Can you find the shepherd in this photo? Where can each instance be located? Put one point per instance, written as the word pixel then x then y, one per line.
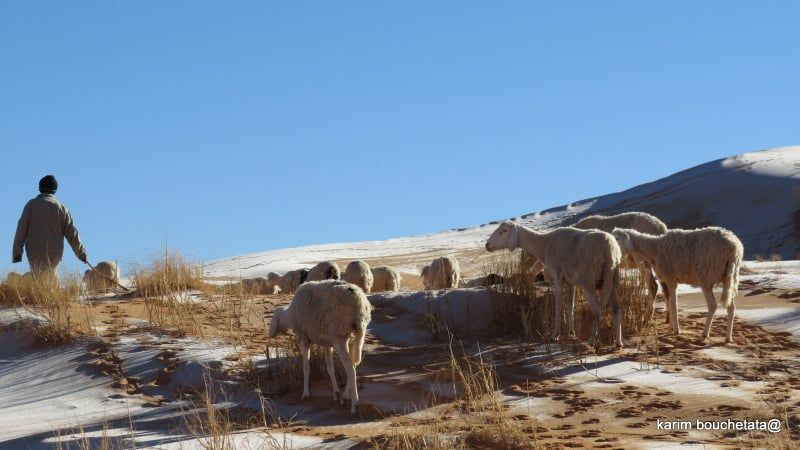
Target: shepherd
pixel 41 230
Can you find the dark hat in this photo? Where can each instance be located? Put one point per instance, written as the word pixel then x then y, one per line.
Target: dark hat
pixel 48 184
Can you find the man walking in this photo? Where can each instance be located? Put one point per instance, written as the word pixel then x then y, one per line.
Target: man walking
pixel 44 224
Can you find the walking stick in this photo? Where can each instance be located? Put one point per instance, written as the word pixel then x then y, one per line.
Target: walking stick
pixel 107 278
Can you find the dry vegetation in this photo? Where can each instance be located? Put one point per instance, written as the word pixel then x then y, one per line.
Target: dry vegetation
pixel 530 313
pixel 476 417
pixel 51 304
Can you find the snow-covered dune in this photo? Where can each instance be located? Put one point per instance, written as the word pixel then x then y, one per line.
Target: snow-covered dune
pixel 757 195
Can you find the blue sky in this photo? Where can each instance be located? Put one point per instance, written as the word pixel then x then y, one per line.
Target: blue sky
pixel 233 127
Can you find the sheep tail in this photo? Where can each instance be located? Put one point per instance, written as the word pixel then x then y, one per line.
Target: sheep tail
pixel 731 284
pixel 357 346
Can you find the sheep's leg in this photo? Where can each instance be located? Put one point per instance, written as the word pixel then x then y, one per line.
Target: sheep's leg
pixel 305 353
pixel 673 308
pixel 711 302
pixel 731 313
pixel 556 308
pixel 331 371
pixel 594 305
pixel 617 309
pixel 347 362
pixel 570 308
pixel 665 290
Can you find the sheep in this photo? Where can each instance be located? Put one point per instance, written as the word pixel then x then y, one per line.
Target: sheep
pixel 385 279
pixel 358 273
pixel 441 273
pixel 701 257
pixel 105 275
pixel 329 313
pixel 585 258
pixel 636 220
pixel 326 270
pixel 639 221
pixel 261 285
pixel 292 279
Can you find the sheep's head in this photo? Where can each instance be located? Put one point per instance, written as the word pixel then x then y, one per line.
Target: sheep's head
pixel 624 239
pixel 278 323
pixel 505 236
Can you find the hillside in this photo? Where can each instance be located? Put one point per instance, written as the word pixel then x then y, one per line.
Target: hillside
pixel 757 195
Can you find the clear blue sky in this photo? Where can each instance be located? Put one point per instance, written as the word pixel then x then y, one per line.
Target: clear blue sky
pixel 235 127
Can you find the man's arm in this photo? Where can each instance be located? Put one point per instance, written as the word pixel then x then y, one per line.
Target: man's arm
pixel 71 233
pixel 21 235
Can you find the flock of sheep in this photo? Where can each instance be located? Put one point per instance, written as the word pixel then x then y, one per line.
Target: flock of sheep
pixel 334 314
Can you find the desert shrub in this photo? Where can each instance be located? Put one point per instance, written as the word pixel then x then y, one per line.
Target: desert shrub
pixel 167 275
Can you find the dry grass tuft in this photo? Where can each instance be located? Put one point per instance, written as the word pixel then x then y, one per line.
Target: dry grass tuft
pixel 215 423
pixel 481 419
pixel 48 297
pixel 167 275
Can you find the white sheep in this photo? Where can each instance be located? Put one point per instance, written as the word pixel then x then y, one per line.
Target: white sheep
pixel 441 273
pixel 702 257
pixel 385 278
pixel 585 258
pixel 331 314
pixel 358 273
pixel 639 221
pixel 325 270
pixel 105 275
pixel 292 279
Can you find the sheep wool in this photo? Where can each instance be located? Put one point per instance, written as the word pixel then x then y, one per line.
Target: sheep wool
pixel 358 273
pixel 292 279
pixel 329 314
pixel 701 257
pixel 325 270
pixel 636 220
pixel 104 276
pixel 441 273
pixel 385 278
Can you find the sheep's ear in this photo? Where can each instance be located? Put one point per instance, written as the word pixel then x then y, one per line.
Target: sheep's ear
pixel 513 239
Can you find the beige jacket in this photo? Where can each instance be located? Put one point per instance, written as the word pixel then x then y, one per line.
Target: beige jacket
pixel 44 224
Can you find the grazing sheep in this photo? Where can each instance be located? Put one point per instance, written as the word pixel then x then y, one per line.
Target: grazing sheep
pixel 385 278
pixel 328 313
pixel 702 257
pixel 441 273
pixel 260 285
pixel 358 273
pixel 585 258
pixel 639 221
pixel 104 276
pixel 326 270
pixel 292 279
